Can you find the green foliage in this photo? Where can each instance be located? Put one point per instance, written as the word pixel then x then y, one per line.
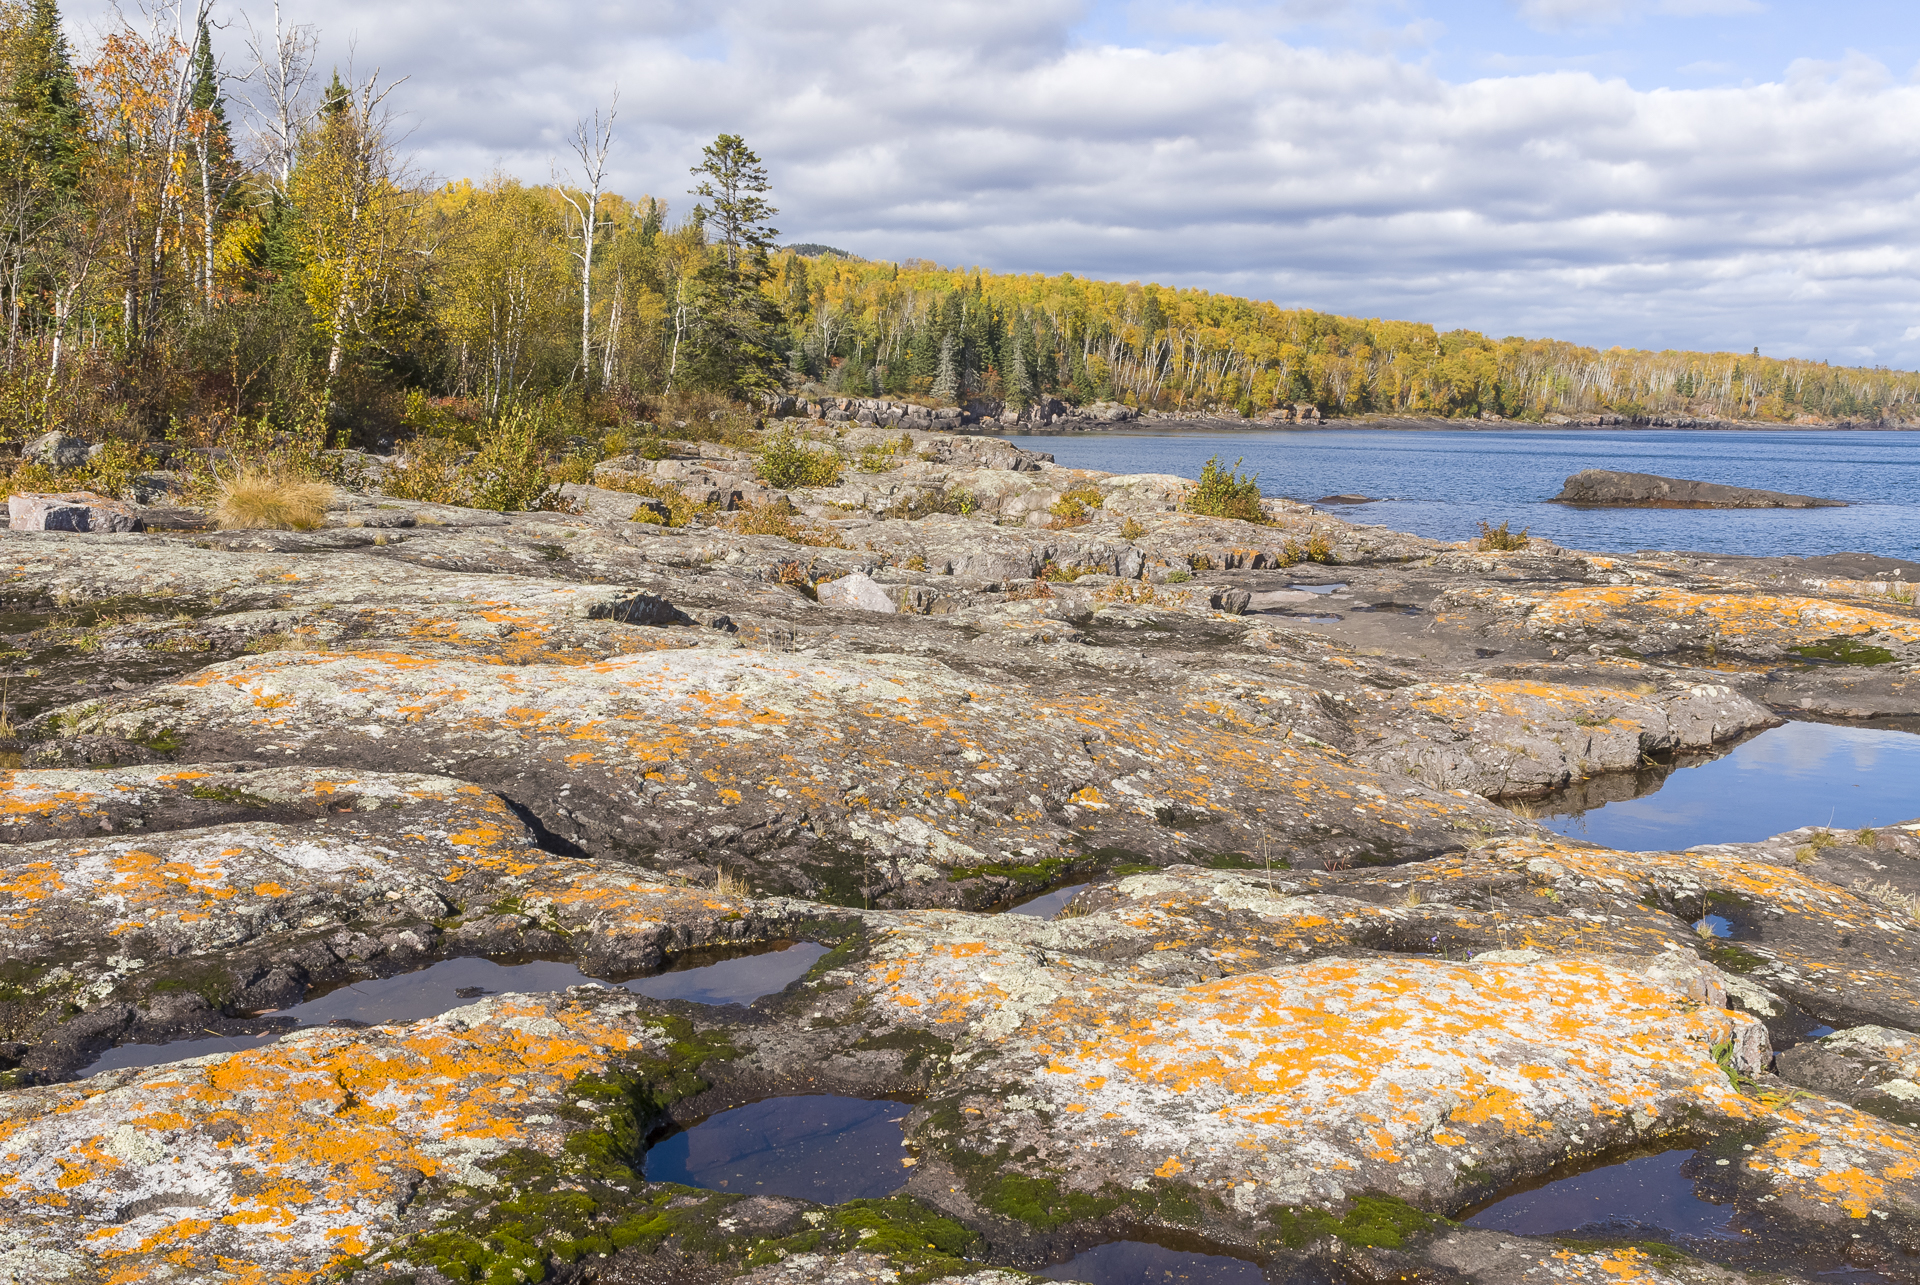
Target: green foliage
pixel 1075 507
pixel 1373 1222
pixel 1497 539
pixel 1222 492
pixel 785 463
pixel 1842 650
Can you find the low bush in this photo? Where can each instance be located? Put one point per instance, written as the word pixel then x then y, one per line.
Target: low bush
pixel 1075 507
pixel 780 519
pixel 1497 539
pixel 1222 492
pixel 1131 530
pixel 1318 548
pixel 784 462
pixel 254 500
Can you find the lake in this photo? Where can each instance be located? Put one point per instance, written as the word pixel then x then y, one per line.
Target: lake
pixel 1442 483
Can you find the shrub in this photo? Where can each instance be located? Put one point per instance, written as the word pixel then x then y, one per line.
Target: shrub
pixel 1131 530
pixel 254 499
pixel 780 519
pixel 681 507
pixel 1075 507
pixel 1318 548
pixel 785 463
pixel 431 473
pixel 1497 539
pixel 1223 493
pixel 509 474
pixel 1179 577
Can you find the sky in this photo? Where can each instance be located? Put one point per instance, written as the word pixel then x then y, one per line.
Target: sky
pixel 1706 174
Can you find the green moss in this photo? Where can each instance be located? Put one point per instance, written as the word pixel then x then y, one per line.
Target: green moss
pixel 1376 1222
pixel 162 740
pixel 918 1045
pixel 1842 650
pixel 1037 1202
pixel 20 981
pixel 227 794
pixel 546 1210
pixel 1733 957
pixel 1036 875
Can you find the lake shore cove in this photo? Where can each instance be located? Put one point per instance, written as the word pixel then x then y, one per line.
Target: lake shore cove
pixel 1319 998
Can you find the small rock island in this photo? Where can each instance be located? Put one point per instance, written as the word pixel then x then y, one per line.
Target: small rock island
pixel 1599 486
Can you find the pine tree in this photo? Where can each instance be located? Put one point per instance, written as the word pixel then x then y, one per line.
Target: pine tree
pixel 946 384
pixel 209 156
pixel 736 322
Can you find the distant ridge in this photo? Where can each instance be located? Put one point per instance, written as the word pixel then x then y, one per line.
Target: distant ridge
pixel 814 250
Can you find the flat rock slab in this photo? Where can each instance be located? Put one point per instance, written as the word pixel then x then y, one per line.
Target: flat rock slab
pixel 1601 486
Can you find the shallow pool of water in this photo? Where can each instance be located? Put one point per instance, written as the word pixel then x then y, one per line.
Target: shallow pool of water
pixel 1653 1194
pixel 820 1147
pixel 1789 776
pixel 1135 1262
pixel 1443 483
pixel 430 991
pixel 1047 904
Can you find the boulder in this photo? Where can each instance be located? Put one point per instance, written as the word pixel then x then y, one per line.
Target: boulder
pixel 1344 499
pixel 70 511
pixel 56 450
pixel 855 590
pixel 1651 491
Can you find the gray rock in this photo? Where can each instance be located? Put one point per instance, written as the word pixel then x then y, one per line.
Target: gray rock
pixel 56 450
pixel 70 511
pixel 856 590
pixel 1651 491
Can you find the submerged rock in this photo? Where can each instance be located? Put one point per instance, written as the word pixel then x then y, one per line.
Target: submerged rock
pixel 1651 491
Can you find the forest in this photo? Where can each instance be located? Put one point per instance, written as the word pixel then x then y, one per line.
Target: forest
pixel 212 245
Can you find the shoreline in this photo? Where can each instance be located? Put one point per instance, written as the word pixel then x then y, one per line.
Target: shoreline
pixel 1425 424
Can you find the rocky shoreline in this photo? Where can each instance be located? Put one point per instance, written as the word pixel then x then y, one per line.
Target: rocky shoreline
pixel 1320 996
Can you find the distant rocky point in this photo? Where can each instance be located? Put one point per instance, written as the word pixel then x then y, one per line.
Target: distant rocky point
pixel 1651 491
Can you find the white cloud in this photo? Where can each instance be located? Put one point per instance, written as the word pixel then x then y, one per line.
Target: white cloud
pixel 1562 15
pixel 979 131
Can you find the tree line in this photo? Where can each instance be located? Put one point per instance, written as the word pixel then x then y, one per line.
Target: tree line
pixel 193 245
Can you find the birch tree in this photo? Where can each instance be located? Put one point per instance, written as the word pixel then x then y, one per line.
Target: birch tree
pixel 591 140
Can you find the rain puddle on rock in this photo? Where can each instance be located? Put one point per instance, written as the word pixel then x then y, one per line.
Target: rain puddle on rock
pixel 819 1147
pixel 1787 777
pixel 1137 1262
pixel 700 978
pixel 1652 1196
pixel 1318 588
pixel 1045 905
pixel 1718 925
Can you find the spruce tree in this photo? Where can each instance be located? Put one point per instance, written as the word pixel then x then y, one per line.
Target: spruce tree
pixel 1015 379
pixel 946 384
pixel 46 125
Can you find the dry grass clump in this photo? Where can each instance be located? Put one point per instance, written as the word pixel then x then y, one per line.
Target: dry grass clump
pixel 730 885
pixel 257 499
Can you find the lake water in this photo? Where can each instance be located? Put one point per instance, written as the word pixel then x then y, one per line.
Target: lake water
pixel 1786 777
pixel 1442 483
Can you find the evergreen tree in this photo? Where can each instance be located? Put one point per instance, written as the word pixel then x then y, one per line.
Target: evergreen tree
pixel 1014 376
pixel 651 224
pixel 46 124
pixel 736 322
pixel 946 384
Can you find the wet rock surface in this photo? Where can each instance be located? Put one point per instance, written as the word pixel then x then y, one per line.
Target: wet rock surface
pixel 1312 998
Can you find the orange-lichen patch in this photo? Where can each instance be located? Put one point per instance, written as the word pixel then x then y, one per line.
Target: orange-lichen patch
pixel 1834 1156
pixel 298 1149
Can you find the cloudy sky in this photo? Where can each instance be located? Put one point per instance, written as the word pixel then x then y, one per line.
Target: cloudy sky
pixel 1713 174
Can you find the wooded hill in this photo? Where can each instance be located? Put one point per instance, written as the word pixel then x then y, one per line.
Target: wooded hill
pixel 175 263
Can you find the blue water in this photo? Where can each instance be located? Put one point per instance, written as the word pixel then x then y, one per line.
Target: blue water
pixel 1786 777
pixel 1651 1194
pixel 1135 1262
pixel 1442 483
pixel 818 1146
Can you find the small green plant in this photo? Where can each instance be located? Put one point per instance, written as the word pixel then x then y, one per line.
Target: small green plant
pixel 785 463
pixel 1497 539
pixel 1223 492
pixel 1865 836
pixel 509 474
pixel 1318 548
pixel 1075 507
pixel 965 503
pixel 1178 576
pixel 654 448
pixel 1131 530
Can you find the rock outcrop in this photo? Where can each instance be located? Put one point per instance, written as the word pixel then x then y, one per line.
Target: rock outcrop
pixel 1313 994
pixel 1606 487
